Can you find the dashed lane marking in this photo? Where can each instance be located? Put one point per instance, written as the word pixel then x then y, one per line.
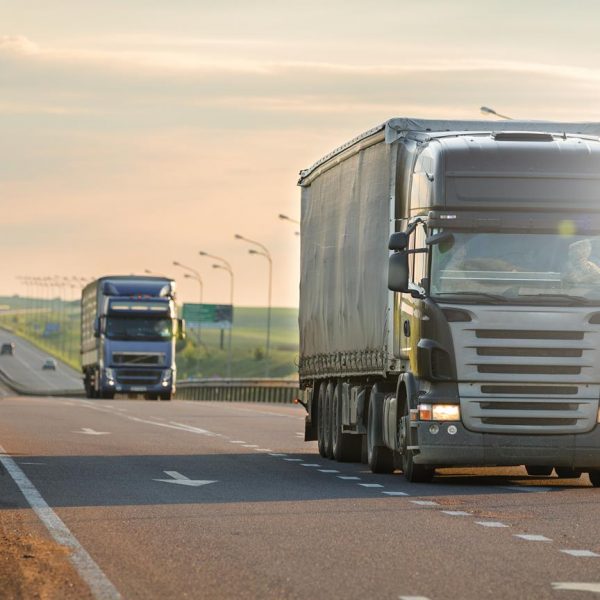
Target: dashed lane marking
pixel 456 513
pixel 491 524
pixel 250 446
pixel 532 538
pixel 371 485
pixel 580 553
pixel 395 493
pixel 577 587
pixel 310 465
pixel 348 477
pixel 328 471
pixel 293 459
pixel 237 442
pixel 525 488
pixel 425 502
pixel 264 450
pixel 100 586
pixel 277 454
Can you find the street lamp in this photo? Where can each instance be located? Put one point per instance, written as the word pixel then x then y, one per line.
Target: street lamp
pixel 226 266
pixel 486 110
pixel 286 218
pixel 194 275
pixel 263 252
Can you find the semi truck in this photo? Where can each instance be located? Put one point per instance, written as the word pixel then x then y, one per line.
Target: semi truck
pixel 129 328
pixel 450 297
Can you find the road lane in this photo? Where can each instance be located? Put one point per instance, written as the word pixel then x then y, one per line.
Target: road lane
pixel 272 526
pixel 25 367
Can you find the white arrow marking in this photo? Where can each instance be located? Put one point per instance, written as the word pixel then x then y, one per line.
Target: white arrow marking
pixel 183 480
pixel 88 431
pixel 578 587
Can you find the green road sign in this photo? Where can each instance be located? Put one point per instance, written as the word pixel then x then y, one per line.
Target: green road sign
pixel 207 315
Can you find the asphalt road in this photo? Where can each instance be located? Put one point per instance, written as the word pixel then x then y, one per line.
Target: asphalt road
pixel 25 367
pixel 207 500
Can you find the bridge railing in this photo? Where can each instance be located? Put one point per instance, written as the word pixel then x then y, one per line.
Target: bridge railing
pixel 239 390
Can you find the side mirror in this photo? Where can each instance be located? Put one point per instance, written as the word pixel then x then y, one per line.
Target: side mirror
pixel 181 329
pixel 398 272
pixel 97 327
pixel 398 241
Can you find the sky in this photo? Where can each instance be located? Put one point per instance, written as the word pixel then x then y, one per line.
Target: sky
pixel 134 134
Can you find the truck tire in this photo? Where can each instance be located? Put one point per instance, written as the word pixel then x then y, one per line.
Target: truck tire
pixel 537 471
pixel 328 423
pixel 346 446
pixel 412 472
pixel 106 395
pixel 380 458
pixel 567 473
pixel 321 420
pixel 595 477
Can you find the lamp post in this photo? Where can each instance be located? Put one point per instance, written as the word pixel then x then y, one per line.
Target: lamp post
pixel 263 252
pixel 286 218
pixel 486 110
pixel 226 266
pixel 193 274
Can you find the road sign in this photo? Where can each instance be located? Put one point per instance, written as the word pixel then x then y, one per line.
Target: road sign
pixel 219 316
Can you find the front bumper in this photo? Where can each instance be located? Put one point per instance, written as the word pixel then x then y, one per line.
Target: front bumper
pixel 467 448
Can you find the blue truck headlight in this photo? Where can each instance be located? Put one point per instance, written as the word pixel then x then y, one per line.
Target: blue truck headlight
pixel 439 412
pixel 166 377
pixel 110 376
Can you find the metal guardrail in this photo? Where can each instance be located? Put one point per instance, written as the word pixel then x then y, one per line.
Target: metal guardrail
pixel 239 390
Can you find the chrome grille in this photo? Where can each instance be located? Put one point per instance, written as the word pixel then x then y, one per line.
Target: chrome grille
pixel 138 358
pixel 138 376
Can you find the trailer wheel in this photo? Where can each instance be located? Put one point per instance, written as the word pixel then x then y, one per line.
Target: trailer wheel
pixel 380 459
pixel 595 477
pixel 346 446
pixel 539 471
pixel 321 420
pixel 328 423
pixel 567 473
pixel 412 472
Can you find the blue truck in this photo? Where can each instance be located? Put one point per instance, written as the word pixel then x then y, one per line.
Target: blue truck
pixel 129 328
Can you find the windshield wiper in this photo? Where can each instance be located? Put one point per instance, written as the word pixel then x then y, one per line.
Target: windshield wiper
pixel 579 300
pixel 475 295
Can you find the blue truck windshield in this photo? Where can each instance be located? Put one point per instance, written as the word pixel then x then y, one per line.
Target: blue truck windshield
pixel 530 268
pixel 138 328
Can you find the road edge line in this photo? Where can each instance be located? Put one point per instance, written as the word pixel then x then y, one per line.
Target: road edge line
pixel 99 584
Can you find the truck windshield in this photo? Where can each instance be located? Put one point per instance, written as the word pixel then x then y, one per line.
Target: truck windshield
pixel 138 328
pixel 532 268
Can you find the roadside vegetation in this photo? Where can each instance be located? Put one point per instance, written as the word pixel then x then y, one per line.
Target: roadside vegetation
pixel 53 326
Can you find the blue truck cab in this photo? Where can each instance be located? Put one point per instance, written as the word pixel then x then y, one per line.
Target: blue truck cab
pixel 129 328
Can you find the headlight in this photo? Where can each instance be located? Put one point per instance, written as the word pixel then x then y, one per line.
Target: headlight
pixel 439 412
pixel 109 373
pixel 166 376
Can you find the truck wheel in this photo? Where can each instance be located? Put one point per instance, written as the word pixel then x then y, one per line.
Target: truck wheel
pixel 595 477
pixel 537 471
pixel 412 472
pixel 321 420
pixel 380 459
pixel 106 395
pixel 328 423
pixel 567 473
pixel 346 446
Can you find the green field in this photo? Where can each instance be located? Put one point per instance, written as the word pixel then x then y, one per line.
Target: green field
pixel 199 355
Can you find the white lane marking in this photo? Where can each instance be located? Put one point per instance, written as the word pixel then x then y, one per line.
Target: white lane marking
pixel 237 442
pixel 425 502
pixel 456 513
pixel 294 459
pixel 250 446
pixel 328 471
pixel 180 479
pixel 577 587
pixel 491 524
pixel 31 463
pixel 395 493
pixel 524 488
pixel 173 425
pixel 264 450
pixel 371 485
pixel 191 428
pixel 580 553
pixel 532 537
pixel 88 431
pixel 310 465
pixel 348 478
pixel 90 572
pixel 277 454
